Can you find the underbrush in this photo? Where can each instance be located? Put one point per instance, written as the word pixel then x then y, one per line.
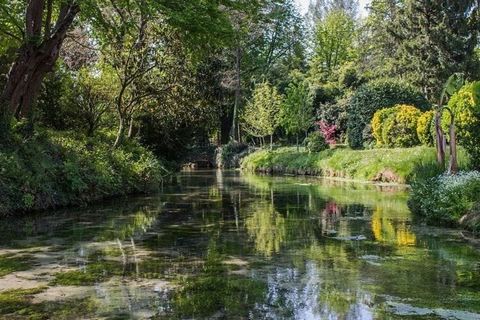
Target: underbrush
pixel 448 200
pixel 50 169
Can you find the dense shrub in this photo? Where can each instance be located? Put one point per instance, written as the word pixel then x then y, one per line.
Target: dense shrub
pixel 374 96
pixel 400 129
pixel 50 170
pixel 396 126
pixel 467 121
pixel 426 128
pixel 335 113
pixel 378 122
pixel 445 199
pixel 315 142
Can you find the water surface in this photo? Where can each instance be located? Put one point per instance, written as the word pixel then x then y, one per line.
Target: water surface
pixel 224 245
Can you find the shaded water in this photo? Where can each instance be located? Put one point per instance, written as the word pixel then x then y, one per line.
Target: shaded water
pixel 223 245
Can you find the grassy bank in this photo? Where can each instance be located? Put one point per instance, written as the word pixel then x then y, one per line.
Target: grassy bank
pixel 50 170
pixel 381 165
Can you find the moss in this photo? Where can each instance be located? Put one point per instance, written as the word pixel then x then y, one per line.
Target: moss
pixel 93 273
pixel 18 301
pixel 100 271
pixel 17 304
pixel 11 263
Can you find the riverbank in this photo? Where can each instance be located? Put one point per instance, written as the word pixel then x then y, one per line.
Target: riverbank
pixel 434 198
pixel 377 165
pixel 49 170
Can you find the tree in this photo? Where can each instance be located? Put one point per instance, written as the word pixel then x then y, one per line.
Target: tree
pixel 319 9
pixel 268 45
pixel 261 116
pixel 297 109
pixel 334 41
pixel 41 37
pixel 94 91
pixel 424 41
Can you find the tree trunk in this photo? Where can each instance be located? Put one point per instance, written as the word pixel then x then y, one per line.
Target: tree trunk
pixel 120 133
pixel 34 60
pixel 298 148
pixel 453 164
pixel 440 140
pixel 271 142
pixel 130 129
pixel 236 106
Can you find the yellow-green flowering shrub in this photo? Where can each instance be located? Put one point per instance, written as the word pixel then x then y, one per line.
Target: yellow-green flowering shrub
pixel 425 128
pixel 396 126
pixel 467 120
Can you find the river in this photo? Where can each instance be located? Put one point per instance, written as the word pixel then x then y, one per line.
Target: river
pixel 226 245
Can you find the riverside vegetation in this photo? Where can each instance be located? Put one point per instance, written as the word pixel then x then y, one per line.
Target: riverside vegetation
pixel 98 98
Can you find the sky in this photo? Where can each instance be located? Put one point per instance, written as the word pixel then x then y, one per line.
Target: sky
pixel 303 6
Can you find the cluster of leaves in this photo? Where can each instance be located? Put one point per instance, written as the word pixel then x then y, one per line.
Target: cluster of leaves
pixel 262 114
pixel 396 126
pixel 328 131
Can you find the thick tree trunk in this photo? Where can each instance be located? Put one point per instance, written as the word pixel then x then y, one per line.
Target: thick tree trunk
pixel 34 59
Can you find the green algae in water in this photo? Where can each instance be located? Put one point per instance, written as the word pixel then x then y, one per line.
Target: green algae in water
pixel 214 291
pixel 11 263
pixel 17 304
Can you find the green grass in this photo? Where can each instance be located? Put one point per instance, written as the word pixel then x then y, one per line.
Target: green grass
pixel 386 165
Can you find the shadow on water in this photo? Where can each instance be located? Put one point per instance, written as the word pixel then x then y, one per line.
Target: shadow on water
pixel 219 244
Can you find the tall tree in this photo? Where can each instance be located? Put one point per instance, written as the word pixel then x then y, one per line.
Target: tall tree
pixel 334 42
pixel 46 23
pixel 426 41
pixel 261 116
pixel 297 108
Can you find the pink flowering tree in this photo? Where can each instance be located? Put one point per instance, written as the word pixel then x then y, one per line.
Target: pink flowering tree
pixel 328 131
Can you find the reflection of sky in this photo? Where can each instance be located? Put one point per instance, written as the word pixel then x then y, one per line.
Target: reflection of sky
pixel 303 6
pixel 297 295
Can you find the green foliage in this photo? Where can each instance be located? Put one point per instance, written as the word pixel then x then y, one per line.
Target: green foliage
pixel 334 41
pixel 467 120
pixel 396 126
pixel 296 111
pixel 262 114
pixel 315 142
pixel 426 127
pixel 445 199
pixel 51 170
pixel 372 97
